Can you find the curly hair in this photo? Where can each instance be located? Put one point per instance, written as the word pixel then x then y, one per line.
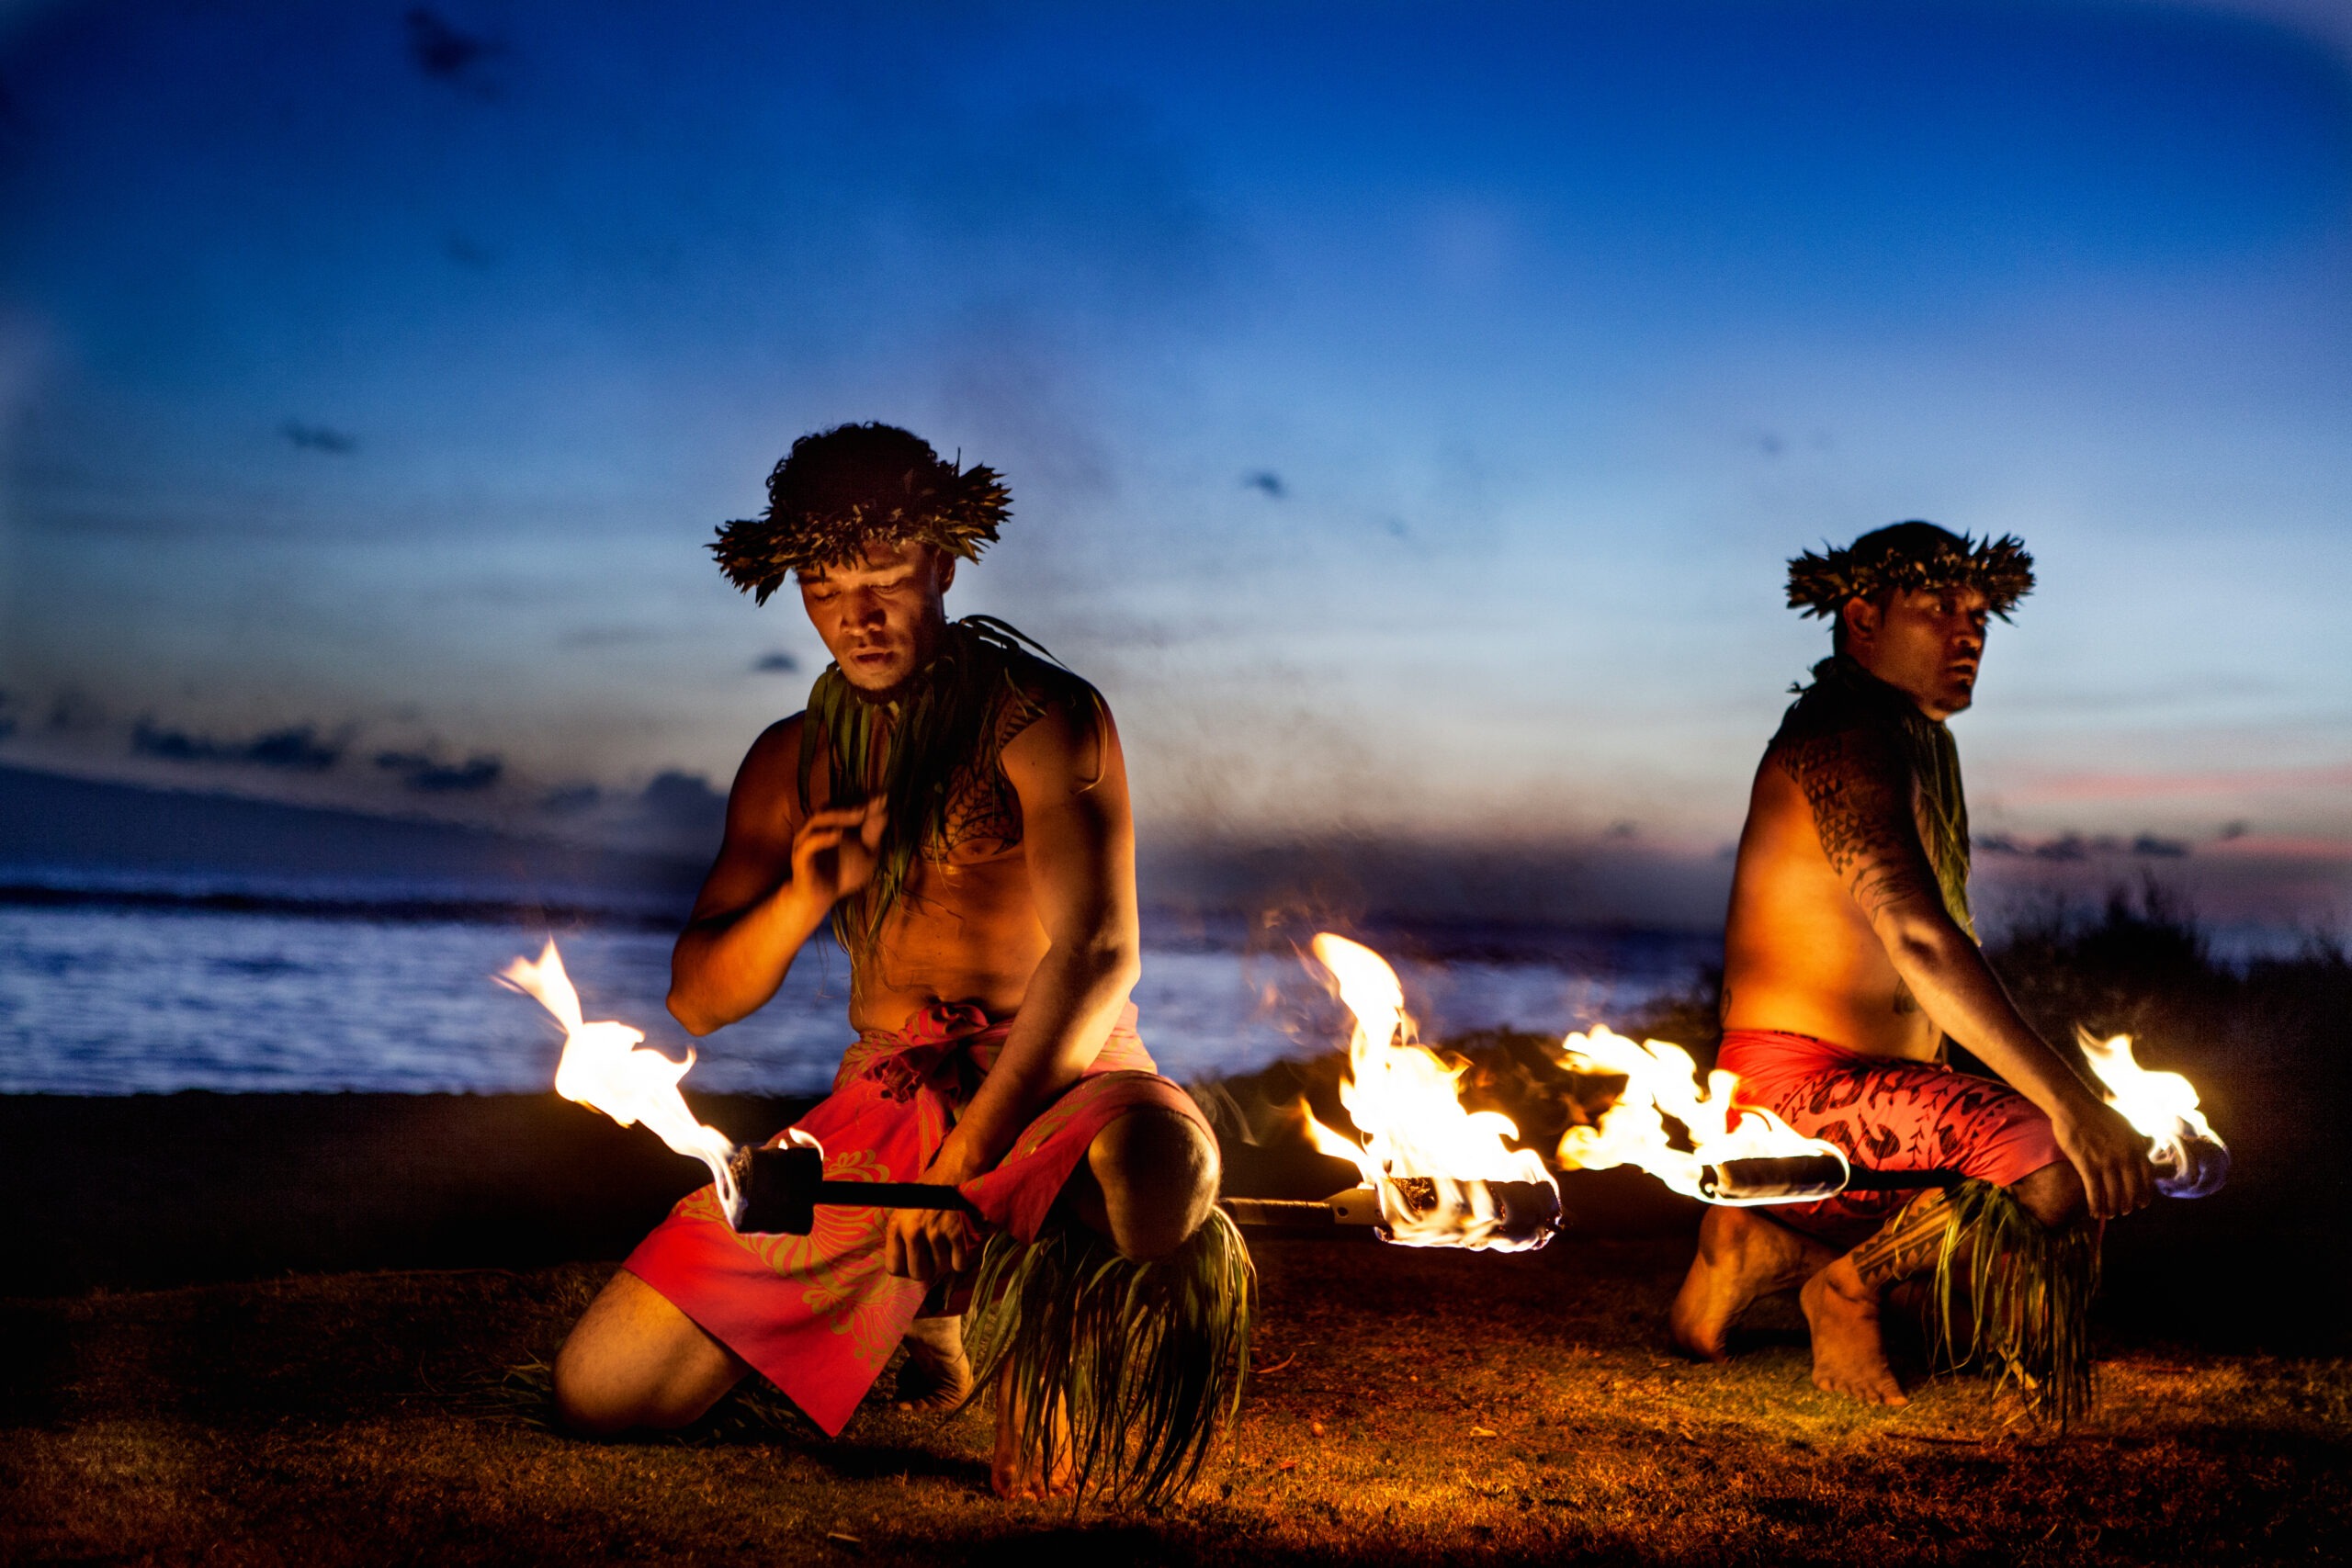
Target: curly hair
pixel 1906 556
pixel 839 489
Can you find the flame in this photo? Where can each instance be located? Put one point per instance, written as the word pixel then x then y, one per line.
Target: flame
pixel 1661 1081
pixel 603 1069
pixel 1407 1100
pixel 2163 1107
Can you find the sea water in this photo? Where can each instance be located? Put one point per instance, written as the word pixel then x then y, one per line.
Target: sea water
pixel 104 1000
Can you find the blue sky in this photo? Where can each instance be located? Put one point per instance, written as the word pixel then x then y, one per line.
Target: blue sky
pixel 1408 407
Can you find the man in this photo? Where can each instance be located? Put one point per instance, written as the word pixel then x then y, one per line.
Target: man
pixel 957 807
pixel 1849 956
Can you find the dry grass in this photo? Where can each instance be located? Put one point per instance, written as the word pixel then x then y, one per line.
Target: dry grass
pixel 1411 1407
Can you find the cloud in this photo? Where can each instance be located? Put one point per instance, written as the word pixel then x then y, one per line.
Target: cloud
pixel 297 749
pixel 570 800
pixel 2075 847
pixel 429 776
pixel 2145 786
pixel 776 663
pixel 466 251
pixel 684 797
pixel 444 53
pixel 319 438
pixel 478 771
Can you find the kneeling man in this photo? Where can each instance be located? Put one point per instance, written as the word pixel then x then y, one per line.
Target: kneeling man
pixel 957 807
pixel 1849 956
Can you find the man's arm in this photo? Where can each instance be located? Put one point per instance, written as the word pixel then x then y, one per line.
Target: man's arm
pixel 1079 835
pixel 1860 795
pixel 775 879
pixel 1079 839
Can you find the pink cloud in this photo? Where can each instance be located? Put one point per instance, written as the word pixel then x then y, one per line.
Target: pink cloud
pixel 2148 786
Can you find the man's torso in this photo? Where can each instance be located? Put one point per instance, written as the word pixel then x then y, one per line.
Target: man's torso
pixel 1799 955
pixel 966 926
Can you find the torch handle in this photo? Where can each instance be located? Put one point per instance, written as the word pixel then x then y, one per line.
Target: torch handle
pixel 890 1195
pixel 780 1186
pixel 1865 1179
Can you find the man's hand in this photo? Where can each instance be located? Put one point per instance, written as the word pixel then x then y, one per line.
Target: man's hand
pixel 2110 1156
pixel 924 1244
pixel 835 851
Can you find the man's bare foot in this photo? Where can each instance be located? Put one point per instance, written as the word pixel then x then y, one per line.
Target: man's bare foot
pixel 1848 1355
pixel 936 1375
pixel 1742 1257
pixel 1008 1472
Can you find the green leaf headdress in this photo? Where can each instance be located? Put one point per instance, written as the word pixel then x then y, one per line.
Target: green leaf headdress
pixel 1911 556
pixel 839 489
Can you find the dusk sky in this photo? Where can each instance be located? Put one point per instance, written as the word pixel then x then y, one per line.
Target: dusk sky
pixel 1408 409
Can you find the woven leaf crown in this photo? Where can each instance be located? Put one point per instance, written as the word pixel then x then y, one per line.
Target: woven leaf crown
pixel 839 489
pixel 1907 556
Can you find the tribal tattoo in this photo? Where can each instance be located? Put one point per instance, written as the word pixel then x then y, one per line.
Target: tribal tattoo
pixel 1860 795
pixel 1908 1244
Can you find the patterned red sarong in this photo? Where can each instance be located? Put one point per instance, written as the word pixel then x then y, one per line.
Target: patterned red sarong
pixel 1888 1114
pixel 815 1313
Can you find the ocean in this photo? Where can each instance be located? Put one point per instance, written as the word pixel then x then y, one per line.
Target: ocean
pixel 105 998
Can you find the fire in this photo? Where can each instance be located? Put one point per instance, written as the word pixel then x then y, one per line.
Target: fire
pixel 2161 1106
pixel 605 1070
pixel 1662 1081
pixel 1418 1143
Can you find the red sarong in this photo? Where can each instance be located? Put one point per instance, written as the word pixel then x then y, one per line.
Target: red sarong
pixel 816 1314
pixel 1888 1114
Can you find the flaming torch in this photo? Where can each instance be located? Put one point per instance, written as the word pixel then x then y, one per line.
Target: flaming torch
pixel 2162 1106
pixel 1743 1155
pixel 607 1068
pixel 1739 1156
pixel 1443 1175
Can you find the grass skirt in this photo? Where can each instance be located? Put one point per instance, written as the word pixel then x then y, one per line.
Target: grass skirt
pixel 2012 1298
pixel 1148 1359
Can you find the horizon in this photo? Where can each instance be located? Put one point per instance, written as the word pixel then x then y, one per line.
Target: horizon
pixel 1408 418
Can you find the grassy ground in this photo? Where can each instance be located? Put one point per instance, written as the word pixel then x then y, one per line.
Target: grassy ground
pixel 1410 1407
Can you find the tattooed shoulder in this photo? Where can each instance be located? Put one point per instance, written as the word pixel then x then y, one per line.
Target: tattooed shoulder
pixel 1860 795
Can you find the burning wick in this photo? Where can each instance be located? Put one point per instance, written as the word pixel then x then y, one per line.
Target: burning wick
pixel 605 1069
pixel 2163 1107
pixel 1739 1156
pixel 1443 1174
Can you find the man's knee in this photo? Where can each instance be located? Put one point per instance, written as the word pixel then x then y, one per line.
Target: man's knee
pixel 634 1359
pixel 1158 1172
pixel 2053 1195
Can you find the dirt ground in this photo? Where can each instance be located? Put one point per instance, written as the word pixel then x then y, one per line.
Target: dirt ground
pixel 1410 1406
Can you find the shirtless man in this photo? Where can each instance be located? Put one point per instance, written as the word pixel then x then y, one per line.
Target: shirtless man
pixel 957 807
pixel 1849 956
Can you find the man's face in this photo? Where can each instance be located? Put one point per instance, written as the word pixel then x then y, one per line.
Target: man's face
pixel 1927 642
pixel 881 618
